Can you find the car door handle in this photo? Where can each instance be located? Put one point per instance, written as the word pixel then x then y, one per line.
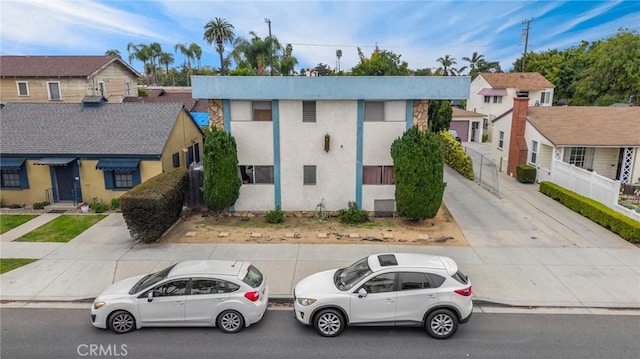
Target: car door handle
pixel 389 300
pixel 180 303
pixel 220 300
pixel 431 296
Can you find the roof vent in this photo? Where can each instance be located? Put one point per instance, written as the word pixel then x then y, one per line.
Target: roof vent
pixel 387 260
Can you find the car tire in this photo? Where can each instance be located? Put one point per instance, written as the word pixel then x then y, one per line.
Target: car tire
pixel 441 324
pixel 230 321
pixel 121 322
pixel 329 323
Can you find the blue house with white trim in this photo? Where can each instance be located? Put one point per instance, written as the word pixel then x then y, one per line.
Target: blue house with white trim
pixel 303 140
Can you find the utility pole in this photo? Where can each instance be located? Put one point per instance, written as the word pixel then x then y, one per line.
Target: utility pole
pixel 525 34
pixel 268 21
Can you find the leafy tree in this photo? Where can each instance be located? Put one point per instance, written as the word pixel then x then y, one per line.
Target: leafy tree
pixel 323 70
pixel 219 31
pixel 255 53
pixel 287 61
pixel 418 163
pixel 221 181
pixel 381 63
pixel 440 114
pixel 424 72
pixel 166 59
pixel 113 52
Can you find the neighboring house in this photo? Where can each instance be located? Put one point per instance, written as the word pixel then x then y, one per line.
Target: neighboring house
pixel 197 108
pixel 467 124
pixel 566 143
pixel 491 93
pixel 65 78
pixel 92 150
pixel 302 140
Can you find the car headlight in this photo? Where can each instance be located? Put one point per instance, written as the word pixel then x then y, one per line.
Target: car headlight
pixel 98 305
pixel 306 301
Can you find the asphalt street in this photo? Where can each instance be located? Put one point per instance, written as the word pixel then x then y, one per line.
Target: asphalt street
pixel 67 333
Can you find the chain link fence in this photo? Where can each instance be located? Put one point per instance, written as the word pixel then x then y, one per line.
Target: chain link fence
pixel 485 172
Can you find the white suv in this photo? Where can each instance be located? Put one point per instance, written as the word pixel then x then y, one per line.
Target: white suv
pixel 387 289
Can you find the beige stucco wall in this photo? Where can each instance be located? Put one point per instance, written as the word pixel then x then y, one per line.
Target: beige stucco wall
pixel 73 89
pixel 184 134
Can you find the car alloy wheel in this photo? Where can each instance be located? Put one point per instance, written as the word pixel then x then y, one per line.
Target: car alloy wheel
pixel 230 321
pixel 441 324
pixel 329 323
pixel 122 322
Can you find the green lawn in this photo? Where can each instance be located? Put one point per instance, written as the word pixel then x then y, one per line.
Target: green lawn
pixel 11 221
pixel 7 264
pixel 62 229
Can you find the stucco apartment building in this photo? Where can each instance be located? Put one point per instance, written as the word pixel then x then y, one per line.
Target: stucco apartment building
pixel 303 140
pixel 68 79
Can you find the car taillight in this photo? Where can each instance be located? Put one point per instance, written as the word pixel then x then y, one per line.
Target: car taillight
pixel 252 296
pixel 464 292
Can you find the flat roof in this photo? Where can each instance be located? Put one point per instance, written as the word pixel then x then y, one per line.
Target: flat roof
pixel 331 87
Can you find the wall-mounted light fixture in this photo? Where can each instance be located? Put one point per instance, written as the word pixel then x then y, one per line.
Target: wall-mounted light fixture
pixel 327 142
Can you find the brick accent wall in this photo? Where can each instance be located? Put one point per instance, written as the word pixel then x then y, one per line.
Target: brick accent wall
pixel 518 145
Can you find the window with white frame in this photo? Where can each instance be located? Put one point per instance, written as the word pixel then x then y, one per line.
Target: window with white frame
pixel 309 175
pixel 500 139
pixel 545 97
pixel 23 88
pixel 580 157
pixel 308 111
pixel 261 110
pixel 378 175
pixel 256 174
pixel 487 99
pixel 127 88
pixel 54 90
pixel 534 151
pixel 374 111
pixel 497 99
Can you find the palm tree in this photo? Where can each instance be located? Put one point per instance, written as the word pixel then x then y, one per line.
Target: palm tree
pixel 447 63
pixel 196 52
pixel 473 60
pixel 218 30
pixel 142 53
pixel 287 62
pixel 255 53
pixel 188 56
pixel 114 53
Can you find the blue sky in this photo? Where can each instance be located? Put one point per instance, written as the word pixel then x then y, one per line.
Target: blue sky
pixel 420 31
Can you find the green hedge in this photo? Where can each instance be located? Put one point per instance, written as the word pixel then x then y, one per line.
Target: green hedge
pixel 618 223
pixel 455 157
pixel 525 174
pixel 153 206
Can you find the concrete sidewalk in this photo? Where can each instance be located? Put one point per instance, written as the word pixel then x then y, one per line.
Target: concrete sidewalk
pixel 525 250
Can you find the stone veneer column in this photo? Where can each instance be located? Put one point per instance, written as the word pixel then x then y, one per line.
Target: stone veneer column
pixel 216 116
pixel 421 114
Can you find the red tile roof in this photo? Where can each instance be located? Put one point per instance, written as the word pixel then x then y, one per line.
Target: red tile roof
pixel 58 66
pixel 519 80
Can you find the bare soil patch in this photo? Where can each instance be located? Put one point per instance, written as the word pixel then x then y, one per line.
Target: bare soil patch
pixel 441 230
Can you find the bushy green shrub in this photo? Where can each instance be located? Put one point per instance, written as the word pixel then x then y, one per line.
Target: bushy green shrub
pixel 618 223
pixel 525 174
pixel 98 207
pixel 154 205
pixel 115 203
pixel 455 157
pixel 275 216
pixel 485 137
pixel 352 214
pixel 40 205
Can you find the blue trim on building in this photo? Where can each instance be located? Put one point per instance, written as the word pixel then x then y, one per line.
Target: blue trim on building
pixel 409 114
pixel 275 116
pixel 330 87
pixel 226 113
pixel 359 150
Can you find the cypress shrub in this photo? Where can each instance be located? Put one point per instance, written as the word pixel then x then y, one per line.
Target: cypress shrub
pixel 221 186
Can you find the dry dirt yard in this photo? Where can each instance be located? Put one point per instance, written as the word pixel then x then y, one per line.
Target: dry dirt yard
pixel 302 228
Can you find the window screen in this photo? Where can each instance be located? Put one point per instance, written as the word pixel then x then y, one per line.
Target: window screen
pixel 23 89
pixel 308 111
pixel 309 175
pixel 374 110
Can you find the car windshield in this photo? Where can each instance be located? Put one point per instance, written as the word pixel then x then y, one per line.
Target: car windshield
pixel 151 279
pixel 347 277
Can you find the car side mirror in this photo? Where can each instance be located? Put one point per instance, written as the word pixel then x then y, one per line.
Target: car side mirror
pixel 150 296
pixel 362 293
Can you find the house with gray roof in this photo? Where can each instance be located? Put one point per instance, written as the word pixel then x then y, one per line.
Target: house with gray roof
pixel 64 152
pixel 65 78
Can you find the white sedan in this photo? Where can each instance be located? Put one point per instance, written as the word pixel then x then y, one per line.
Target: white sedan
pixel 226 294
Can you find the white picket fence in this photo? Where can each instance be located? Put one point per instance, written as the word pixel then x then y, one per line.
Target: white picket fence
pixel 586 183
